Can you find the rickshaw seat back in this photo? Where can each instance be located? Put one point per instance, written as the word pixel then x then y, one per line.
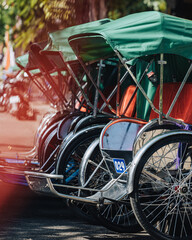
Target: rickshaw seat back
pixel 130 112
pixel 182 108
pixel 116 143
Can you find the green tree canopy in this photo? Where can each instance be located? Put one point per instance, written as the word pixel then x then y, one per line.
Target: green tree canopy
pixel 31 20
pixel 7 17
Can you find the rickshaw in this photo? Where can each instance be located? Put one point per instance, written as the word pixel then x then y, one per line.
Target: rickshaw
pixel 60 54
pixel 87 129
pixel 50 78
pixel 158 168
pixel 69 153
pixel 142 37
pixel 14 164
pixel 47 62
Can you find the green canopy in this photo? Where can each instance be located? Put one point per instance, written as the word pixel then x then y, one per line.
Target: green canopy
pixel 58 41
pixel 136 35
pixel 22 61
pixel 15 68
pixel 27 60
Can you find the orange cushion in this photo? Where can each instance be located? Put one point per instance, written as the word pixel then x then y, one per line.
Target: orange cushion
pixel 124 101
pixel 182 107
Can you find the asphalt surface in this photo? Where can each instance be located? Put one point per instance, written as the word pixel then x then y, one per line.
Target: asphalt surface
pixel 28 216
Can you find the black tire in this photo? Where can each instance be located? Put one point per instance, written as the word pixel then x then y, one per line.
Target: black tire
pixel 49 150
pixel 69 161
pixel 161 199
pixel 50 141
pixel 117 216
pixel 74 152
pixel 47 128
pixel 45 136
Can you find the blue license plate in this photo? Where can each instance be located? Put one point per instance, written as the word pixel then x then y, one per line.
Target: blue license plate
pixel 119 164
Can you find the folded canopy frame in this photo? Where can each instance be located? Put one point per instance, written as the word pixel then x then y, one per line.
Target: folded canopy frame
pixel 47 68
pixel 57 60
pixel 34 74
pixel 40 71
pixel 58 44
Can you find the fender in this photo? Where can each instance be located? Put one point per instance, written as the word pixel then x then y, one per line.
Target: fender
pixel 64 126
pixel 44 136
pixel 42 125
pixel 90 120
pixel 144 149
pixel 68 140
pixel 154 124
pixel 50 120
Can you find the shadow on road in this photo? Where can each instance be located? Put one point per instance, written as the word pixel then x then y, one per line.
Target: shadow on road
pixel 25 215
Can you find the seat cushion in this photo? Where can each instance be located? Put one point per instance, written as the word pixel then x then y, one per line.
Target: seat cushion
pixel 130 111
pixel 182 107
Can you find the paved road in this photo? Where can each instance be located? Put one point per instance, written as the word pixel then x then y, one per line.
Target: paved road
pixel 27 216
pixel 15 134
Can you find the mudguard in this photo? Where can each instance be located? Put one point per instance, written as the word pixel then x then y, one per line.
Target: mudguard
pixel 145 148
pixel 90 120
pixel 73 136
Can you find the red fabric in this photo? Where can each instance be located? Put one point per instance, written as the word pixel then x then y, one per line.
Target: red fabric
pixel 123 104
pixel 106 93
pixel 182 107
pixel 125 99
pixel 77 105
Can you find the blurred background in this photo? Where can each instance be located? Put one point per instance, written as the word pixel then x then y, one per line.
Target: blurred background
pixel 23 22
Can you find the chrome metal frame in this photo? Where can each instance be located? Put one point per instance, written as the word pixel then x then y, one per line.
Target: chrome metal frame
pixel 161 114
pixel 109 191
pixel 144 149
pixel 149 125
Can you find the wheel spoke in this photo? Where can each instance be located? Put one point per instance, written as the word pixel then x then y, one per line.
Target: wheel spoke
pixel 164 185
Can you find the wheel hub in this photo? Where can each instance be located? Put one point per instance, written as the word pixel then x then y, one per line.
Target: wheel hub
pixel 106 177
pixel 184 189
pixel 181 189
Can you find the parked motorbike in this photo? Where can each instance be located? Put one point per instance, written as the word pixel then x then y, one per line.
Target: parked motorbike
pixel 15 100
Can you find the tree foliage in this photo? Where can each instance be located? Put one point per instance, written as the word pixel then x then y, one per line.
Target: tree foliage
pixel 7 16
pixel 30 21
pixel 34 18
pixel 117 9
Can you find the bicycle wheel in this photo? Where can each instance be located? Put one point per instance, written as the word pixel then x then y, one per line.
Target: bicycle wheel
pixel 162 199
pixel 117 216
pixel 49 150
pixel 69 161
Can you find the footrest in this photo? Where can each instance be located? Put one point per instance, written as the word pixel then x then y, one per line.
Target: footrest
pixel 48 184
pixel 38 182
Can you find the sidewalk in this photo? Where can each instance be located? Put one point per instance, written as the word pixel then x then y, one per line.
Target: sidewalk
pixel 18 135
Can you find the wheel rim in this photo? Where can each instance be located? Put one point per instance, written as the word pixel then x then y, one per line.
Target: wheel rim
pixel 117 216
pixel 71 170
pixel 164 190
